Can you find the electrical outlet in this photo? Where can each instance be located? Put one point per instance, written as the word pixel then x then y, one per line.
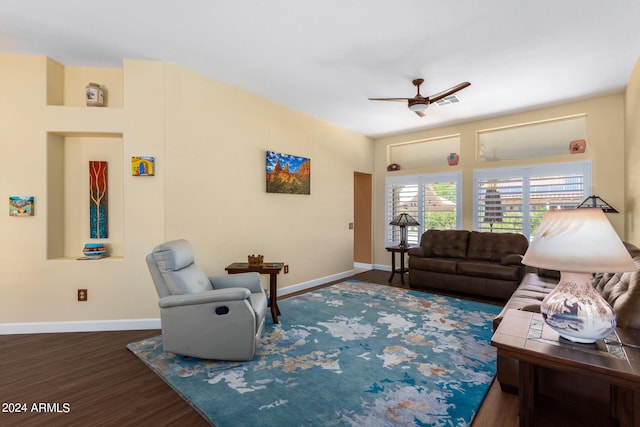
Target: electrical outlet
pixel 286 269
pixel 82 295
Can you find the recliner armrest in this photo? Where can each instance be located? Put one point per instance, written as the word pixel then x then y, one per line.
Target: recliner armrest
pixel 229 294
pixel 249 281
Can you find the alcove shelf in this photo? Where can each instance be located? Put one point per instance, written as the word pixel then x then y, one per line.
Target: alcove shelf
pixel 66 85
pixel 426 153
pixel 68 156
pixel 76 135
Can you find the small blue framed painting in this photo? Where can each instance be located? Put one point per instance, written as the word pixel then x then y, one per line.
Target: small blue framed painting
pixel 288 174
pixel 21 206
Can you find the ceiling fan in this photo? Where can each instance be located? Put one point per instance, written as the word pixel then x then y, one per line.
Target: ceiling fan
pixel 419 103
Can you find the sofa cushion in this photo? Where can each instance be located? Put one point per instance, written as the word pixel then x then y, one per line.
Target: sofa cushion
pixel 445 243
pixel 622 292
pixel 440 265
pixel 528 296
pixel 512 259
pixel 489 270
pixel 495 246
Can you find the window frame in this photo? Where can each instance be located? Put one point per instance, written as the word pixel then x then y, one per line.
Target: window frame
pixel 526 172
pixel 420 181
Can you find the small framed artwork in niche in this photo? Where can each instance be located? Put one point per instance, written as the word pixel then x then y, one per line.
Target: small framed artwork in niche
pixel 98 200
pixel 288 174
pixel 142 166
pixel 21 206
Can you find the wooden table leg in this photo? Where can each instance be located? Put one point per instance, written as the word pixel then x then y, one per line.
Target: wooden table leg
pixel 527 394
pixel 393 266
pixel 273 296
pixel 621 407
pixel 402 267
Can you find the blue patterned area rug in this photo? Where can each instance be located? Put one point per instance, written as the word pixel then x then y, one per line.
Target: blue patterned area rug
pixel 352 354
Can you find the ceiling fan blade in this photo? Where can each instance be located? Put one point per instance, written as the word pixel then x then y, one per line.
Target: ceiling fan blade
pixel 390 99
pixel 420 113
pixel 450 91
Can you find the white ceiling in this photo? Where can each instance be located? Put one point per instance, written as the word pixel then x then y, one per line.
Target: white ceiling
pixel 326 57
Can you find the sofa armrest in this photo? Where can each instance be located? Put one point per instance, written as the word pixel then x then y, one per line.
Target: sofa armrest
pixel 222 295
pixel 417 251
pixel 511 259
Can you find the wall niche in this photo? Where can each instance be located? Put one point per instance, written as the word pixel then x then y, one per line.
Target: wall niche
pixel 68 156
pixel 424 153
pixel 530 140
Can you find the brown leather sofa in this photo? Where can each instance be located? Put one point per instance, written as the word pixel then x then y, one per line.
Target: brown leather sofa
pixel 471 262
pixel 621 290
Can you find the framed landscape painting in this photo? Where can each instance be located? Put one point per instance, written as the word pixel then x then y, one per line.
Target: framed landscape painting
pixel 288 174
pixel 21 206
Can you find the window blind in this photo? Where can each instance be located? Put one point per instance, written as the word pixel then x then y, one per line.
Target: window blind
pixel 515 199
pixel 433 200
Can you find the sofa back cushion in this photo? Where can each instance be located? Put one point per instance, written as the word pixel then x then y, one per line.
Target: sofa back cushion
pixel 495 246
pixel 622 292
pixel 445 243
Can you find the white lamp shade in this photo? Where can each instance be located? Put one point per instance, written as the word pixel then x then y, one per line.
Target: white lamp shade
pixel 578 240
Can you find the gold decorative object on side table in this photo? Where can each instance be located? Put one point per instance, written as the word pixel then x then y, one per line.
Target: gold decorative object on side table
pixel 255 260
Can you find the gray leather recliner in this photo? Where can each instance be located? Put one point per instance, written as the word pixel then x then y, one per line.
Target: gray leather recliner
pixel 218 317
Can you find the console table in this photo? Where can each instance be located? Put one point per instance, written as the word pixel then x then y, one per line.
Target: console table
pixel 525 336
pixel 270 268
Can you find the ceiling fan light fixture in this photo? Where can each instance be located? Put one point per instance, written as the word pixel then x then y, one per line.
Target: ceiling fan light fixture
pixel 418 106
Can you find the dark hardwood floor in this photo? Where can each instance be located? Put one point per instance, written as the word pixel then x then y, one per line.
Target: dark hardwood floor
pixel 91 379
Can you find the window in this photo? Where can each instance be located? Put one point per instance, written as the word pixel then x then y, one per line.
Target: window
pixel 530 140
pixel 433 200
pixel 515 199
pixel 423 153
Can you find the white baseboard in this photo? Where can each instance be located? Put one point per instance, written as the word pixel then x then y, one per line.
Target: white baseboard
pixel 79 326
pixel 144 324
pixel 313 283
pixel 362 266
pixel 382 267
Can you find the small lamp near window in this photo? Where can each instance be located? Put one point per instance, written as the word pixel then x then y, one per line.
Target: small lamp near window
pixel 597 202
pixel 403 221
pixel 492 206
pixel 578 242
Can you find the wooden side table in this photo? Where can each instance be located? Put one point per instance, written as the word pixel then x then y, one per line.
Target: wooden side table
pixel 270 268
pixel 525 336
pixel 401 250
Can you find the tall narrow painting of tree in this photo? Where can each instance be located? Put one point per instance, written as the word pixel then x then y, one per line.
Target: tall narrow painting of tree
pixel 98 199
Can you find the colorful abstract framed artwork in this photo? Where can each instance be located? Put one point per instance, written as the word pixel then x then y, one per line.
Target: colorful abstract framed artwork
pixel 98 200
pixel 288 174
pixel 142 166
pixel 21 206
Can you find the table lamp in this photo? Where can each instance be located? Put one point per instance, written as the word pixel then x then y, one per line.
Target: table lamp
pixel 597 202
pixel 578 242
pixel 403 220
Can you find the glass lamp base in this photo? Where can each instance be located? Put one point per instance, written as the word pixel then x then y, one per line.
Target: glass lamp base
pixel 577 311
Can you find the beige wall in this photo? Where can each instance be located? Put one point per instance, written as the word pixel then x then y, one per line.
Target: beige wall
pixel 632 156
pixel 605 139
pixel 209 141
